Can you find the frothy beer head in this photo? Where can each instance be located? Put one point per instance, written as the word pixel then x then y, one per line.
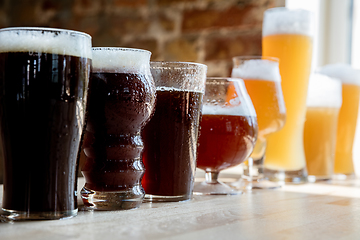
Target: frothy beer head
pixel 257 69
pixel 324 92
pixel 344 72
pixel 238 102
pixel 121 60
pixel 45 40
pixel 285 21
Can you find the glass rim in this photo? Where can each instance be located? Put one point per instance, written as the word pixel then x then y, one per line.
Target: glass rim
pixel 117 49
pixel 38 29
pixel 257 57
pixel 185 65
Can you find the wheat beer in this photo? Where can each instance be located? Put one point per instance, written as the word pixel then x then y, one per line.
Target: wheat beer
pixel 323 104
pixel 287 35
pixel 348 114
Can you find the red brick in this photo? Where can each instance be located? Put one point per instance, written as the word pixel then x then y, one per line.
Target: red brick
pixel 181 49
pixel 147 44
pixel 166 23
pixel 129 25
pixel 130 3
pixel 228 47
pixel 242 17
pixel 171 2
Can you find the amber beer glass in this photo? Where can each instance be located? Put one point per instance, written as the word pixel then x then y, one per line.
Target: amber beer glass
pixel 263 83
pixel 323 104
pixel 287 35
pixel 121 100
pixel 44 75
pixel 228 132
pixel 170 138
pixel 346 128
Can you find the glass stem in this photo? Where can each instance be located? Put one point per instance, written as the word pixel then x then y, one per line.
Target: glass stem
pixel 211 177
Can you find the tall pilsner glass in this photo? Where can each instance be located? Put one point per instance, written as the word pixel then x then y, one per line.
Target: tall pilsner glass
pixel 287 35
pixel 44 75
pixel 350 78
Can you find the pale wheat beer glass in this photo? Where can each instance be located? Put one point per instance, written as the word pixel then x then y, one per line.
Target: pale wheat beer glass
pixel 350 78
pixel 323 105
pixel 263 83
pixel 287 35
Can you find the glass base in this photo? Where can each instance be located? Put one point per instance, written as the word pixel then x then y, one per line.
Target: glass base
pixel 294 177
pixel 122 200
pixel 218 188
pixel 13 215
pixel 160 198
pixel 339 176
pixel 313 178
pixel 248 185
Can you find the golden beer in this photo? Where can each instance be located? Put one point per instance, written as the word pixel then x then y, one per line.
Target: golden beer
pixel 323 104
pixel 263 84
pixel 346 130
pixel 319 140
pixel 348 114
pixel 293 46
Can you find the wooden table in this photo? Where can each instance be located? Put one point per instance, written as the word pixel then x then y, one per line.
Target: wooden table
pixel 309 211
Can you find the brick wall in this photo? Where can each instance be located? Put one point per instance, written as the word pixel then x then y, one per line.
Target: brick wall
pixel 206 31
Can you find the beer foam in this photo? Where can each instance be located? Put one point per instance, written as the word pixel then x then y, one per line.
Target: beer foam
pixel 285 21
pixel 324 91
pixel 45 40
pixel 227 110
pixel 124 60
pixel 344 72
pixel 258 69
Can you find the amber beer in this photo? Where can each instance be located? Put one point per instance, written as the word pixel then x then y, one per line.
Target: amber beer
pixel 263 84
pixel 44 76
pixel 287 35
pixel 226 140
pixel 350 78
pixel 323 104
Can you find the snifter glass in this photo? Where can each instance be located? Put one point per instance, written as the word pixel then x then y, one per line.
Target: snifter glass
pixel 263 83
pixel 44 75
pixel 121 101
pixel 228 132
pixel 170 138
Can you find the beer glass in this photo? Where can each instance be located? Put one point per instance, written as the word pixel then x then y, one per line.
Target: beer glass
pixel 121 100
pixel 263 84
pixel 170 138
pixel 228 132
pixel 350 78
pixel 44 76
pixel 287 35
pixel 323 104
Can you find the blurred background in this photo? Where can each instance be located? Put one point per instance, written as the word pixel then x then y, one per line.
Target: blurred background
pixel 205 31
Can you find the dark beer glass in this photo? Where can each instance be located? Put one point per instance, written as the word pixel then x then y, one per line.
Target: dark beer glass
pixel 228 132
pixel 121 100
pixel 44 76
pixel 170 138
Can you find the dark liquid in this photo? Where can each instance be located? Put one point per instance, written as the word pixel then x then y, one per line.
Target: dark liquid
pixel 42 107
pixel 225 141
pixel 119 106
pixel 170 140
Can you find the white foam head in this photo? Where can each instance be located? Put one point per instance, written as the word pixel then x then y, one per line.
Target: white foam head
pixel 344 72
pixel 324 91
pixel 285 21
pixel 123 60
pixel 45 40
pixel 257 69
pixel 238 106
